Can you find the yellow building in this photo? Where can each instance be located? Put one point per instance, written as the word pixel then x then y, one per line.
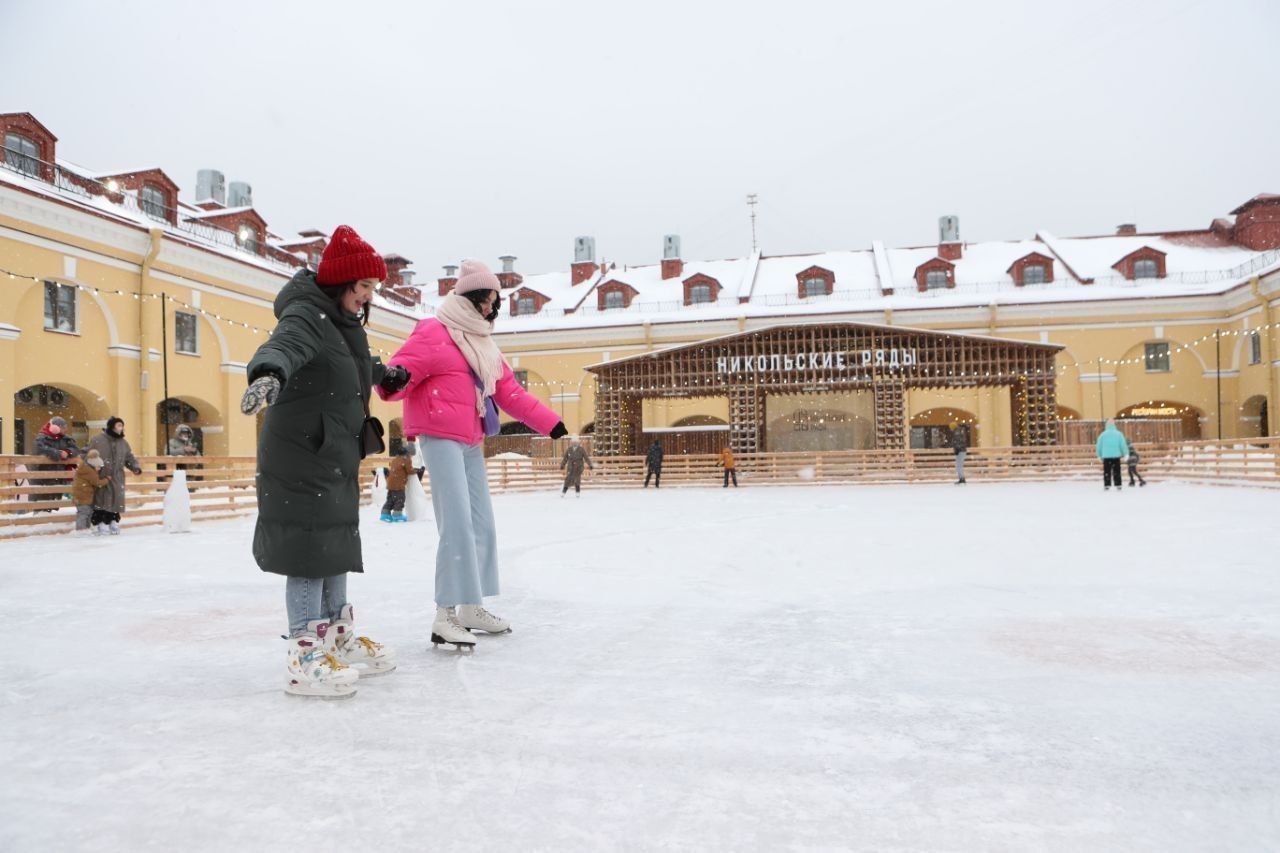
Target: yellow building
pixel 1175 326
pixel 123 297
pixel 117 298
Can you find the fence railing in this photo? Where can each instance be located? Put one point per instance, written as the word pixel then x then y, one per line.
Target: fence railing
pixel 37 501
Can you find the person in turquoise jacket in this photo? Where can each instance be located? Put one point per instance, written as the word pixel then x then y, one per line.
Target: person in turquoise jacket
pixel 1111 448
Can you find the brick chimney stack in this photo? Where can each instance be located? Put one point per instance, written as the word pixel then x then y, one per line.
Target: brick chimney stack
pixel 449 279
pixel 949 246
pixel 672 266
pixel 509 278
pixel 1128 229
pixel 584 259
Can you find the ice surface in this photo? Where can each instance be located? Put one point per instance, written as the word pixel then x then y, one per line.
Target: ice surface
pixel 988 667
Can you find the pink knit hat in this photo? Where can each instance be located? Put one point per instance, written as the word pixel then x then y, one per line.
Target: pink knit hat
pixel 476 276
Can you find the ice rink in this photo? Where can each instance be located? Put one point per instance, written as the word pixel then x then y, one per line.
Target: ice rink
pixel 988 667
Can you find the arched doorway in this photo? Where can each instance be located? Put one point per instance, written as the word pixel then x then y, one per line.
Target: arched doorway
pixel 1187 419
pixel 172 413
pixel 932 427
pixel 700 420
pixel 1253 417
pixel 1066 413
pixel 34 405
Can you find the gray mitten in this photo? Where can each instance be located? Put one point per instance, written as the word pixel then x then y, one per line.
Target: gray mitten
pixel 262 392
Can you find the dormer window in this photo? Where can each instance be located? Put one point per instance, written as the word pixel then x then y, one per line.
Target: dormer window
pixel 1034 274
pixel 700 289
pixel 525 305
pixel 935 279
pixel 614 299
pixel 247 239
pixel 815 281
pixel 614 294
pixel 22 154
pixel 155 202
pixel 1142 263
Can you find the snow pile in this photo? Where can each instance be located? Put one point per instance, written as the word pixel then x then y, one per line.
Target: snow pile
pixel 177 504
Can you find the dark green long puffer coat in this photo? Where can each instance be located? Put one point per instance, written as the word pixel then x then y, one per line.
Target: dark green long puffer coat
pixel 309 450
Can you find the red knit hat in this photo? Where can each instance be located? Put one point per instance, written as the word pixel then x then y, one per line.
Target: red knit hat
pixel 348 258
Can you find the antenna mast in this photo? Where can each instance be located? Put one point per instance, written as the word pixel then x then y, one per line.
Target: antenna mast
pixel 752 201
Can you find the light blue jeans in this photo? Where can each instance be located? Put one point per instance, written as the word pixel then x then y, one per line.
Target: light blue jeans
pixel 467 557
pixel 311 599
pixel 960 464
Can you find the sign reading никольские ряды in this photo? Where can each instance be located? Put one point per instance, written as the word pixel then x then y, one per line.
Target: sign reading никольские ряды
pixel 852 360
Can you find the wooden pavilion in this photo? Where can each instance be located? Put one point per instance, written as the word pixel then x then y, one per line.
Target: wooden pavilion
pixel 821 359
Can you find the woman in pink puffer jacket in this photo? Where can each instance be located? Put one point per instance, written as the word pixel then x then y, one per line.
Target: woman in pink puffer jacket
pixel 452 369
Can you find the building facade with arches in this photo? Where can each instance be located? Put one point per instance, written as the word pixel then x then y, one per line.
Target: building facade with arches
pixel 117 298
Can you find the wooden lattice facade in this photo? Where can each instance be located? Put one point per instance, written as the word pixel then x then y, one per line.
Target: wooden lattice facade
pixel 825 358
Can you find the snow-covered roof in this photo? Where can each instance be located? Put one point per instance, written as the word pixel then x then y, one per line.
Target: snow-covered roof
pixel 880 278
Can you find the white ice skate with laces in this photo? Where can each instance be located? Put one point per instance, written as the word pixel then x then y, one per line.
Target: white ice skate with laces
pixel 475 618
pixel 313 671
pixel 368 657
pixel 447 631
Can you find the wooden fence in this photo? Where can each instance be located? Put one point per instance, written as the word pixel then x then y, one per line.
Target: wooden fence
pixel 37 502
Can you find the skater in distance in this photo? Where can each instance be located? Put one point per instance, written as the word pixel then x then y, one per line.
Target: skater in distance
pixel 574 460
pixel 313 377
pixel 456 381
pixel 1111 448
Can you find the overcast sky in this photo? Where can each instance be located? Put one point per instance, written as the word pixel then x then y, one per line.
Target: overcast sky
pixel 443 131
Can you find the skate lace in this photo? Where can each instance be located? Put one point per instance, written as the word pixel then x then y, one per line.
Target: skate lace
pixel 485 616
pixel 370 646
pixel 333 662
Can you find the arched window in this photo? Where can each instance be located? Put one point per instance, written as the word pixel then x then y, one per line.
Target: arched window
pixel 1034 274
pixel 22 154
pixel 700 293
pixel 526 305
pixel 934 279
pixel 614 299
pixel 1145 268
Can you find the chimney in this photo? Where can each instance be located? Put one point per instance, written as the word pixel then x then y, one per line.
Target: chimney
pixel 211 186
pixel 509 278
pixel 672 266
pixel 1128 229
pixel 584 259
pixel 239 194
pixel 406 278
pixel 949 246
pixel 449 280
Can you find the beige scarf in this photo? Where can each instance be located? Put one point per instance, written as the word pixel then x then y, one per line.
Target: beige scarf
pixel 474 336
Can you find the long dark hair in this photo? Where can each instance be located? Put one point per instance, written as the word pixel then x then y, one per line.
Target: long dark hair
pixel 476 297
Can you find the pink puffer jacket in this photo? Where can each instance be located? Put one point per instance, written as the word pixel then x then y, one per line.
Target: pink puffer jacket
pixel 440 399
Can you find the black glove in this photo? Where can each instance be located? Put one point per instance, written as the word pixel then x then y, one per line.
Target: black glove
pixel 394 379
pixel 262 392
pixel 558 431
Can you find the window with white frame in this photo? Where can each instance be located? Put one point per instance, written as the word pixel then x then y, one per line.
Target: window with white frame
pixel 155 203
pixel 22 154
pixel 934 279
pixel 526 305
pixel 815 287
pixel 59 307
pixel 1157 358
pixel 186 337
pixel 614 299
pixel 1255 348
pixel 700 293
pixel 1034 274
pixel 1145 268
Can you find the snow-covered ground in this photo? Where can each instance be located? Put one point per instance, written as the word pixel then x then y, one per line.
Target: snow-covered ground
pixel 993 667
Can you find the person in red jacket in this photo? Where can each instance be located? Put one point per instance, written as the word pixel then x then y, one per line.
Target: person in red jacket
pixel 456 380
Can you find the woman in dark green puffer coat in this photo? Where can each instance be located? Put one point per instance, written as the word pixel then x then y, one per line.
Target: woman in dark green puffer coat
pixel 314 377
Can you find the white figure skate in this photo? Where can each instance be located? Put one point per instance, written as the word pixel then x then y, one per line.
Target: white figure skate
pixel 368 657
pixel 447 631
pixel 313 671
